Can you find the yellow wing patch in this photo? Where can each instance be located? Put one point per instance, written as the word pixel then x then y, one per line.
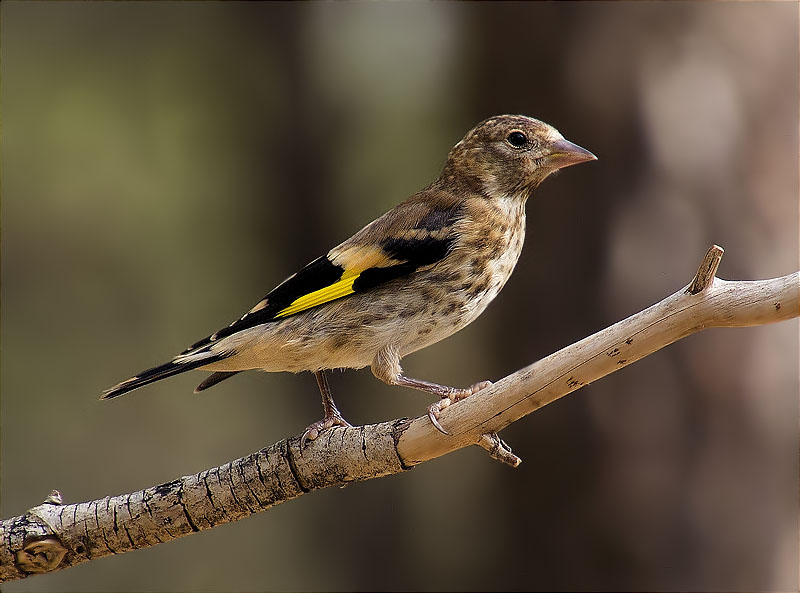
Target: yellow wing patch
pixel 357 258
pixel 337 290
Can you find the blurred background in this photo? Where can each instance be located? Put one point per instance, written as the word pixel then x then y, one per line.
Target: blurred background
pixel 166 164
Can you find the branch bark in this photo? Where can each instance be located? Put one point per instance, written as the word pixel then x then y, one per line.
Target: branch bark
pixel 53 536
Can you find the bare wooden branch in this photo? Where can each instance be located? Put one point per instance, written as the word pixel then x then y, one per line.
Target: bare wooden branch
pixel 53 535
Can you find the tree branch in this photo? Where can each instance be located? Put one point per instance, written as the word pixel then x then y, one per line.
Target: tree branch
pixel 53 536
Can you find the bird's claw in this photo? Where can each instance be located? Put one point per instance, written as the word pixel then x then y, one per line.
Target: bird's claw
pixel 314 430
pixel 435 409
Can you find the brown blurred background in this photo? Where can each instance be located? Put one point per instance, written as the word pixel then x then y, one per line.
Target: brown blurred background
pixel 165 165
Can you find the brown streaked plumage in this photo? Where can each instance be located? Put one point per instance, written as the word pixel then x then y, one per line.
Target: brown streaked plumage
pixel 410 278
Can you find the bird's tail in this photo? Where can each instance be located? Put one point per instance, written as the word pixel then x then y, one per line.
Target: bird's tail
pixel 179 364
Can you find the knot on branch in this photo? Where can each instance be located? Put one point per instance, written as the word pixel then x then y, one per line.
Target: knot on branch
pixel 54 498
pixel 40 555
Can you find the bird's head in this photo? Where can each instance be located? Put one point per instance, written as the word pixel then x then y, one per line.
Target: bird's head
pixel 509 155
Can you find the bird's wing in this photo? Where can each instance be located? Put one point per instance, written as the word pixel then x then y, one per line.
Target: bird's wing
pixel 415 234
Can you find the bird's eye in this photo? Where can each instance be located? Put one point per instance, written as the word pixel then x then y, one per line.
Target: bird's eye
pixel 517 139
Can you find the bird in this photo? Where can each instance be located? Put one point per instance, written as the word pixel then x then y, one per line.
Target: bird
pixel 412 277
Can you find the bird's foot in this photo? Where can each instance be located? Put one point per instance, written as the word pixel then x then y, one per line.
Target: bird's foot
pixel 435 409
pixel 314 430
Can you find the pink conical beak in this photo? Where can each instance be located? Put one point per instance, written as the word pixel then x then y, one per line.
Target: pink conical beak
pixel 564 153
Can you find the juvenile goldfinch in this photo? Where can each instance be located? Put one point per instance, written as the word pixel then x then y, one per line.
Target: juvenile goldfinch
pixel 408 279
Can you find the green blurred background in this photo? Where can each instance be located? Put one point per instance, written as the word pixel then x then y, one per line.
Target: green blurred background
pixel 166 164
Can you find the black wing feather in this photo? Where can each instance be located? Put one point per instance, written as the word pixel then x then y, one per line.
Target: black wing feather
pixel 416 253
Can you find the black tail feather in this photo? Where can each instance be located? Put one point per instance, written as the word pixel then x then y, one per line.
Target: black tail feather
pixel 213 379
pixel 157 373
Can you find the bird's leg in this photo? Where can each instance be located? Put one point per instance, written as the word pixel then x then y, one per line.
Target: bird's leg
pixel 447 395
pixel 333 417
pixel 386 367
